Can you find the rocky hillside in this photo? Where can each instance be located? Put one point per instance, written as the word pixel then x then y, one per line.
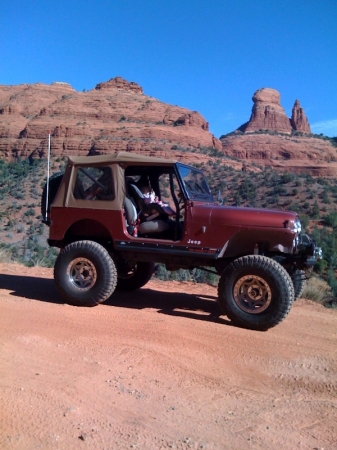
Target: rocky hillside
pixel 297 154
pixel 272 139
pixel 115 115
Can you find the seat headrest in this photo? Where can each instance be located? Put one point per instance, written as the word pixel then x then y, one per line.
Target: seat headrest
pixel 135 190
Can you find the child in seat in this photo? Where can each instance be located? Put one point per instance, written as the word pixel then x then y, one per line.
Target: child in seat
pixel 150 197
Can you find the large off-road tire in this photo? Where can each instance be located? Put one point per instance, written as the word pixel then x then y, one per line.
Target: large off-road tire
pixel 54 184
pixel 255 292
pixel 85 274
pixel 130 279
pixel 299 281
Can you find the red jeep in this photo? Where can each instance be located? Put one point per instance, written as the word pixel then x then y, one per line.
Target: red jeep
pixel 111 235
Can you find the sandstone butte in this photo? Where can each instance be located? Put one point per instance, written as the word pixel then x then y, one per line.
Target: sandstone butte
pixel 272 139
pixel 116 115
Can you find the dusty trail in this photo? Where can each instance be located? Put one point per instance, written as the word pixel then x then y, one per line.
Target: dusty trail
pixel 160 368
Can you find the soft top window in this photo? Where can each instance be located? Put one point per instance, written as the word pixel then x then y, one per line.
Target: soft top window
pixel 94 183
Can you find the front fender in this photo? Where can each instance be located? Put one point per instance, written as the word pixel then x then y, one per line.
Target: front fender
pixel 259 241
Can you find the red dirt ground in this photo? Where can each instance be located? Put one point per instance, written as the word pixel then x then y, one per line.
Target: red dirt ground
pixel 160 368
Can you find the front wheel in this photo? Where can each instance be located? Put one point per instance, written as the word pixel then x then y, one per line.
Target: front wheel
pixel 299 281
pixel 85 274
pixel 255 292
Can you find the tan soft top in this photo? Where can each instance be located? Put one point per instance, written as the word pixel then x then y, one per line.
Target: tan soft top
pixel 117 161
pixel 120 157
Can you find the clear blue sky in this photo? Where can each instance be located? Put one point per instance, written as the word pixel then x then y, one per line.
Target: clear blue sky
pixel 208 56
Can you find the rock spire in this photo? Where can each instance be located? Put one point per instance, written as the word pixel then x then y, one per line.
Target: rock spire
pixel 299 120
pixel 268 114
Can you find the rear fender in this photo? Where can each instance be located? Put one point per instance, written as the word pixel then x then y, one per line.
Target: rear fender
pixel 87 229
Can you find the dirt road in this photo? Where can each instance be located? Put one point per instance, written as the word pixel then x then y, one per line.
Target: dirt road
pixel 160 368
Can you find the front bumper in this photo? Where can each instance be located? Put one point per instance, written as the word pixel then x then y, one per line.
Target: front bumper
pixel 307 251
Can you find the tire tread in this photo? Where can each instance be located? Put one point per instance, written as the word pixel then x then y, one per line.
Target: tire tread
pixel 261 321
pixel 109 275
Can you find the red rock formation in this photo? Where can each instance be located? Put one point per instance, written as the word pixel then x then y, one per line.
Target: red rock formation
pixel 267 113
pixel 193 119
pixel 120 83
pixel 299 120
pixel 114 116
pixel 298 154
pixel 117 115
pixel 281 151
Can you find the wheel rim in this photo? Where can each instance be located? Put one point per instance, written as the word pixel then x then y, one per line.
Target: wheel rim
pixel 82 273
pixel 125 271
pixel 252 294
pixel 127 274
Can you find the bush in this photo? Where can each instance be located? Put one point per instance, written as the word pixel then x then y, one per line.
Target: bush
pixel 317 290
pixel 304 221
pixel 331 220
pixel 196 275
pixel 30 212
pixel 332 282
pixel 5 255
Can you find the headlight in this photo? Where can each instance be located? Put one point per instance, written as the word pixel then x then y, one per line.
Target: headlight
pixel 294 225
pixel 297 226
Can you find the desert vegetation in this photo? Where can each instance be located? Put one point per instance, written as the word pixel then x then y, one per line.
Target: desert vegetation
pixel 22 233
pixel 332 140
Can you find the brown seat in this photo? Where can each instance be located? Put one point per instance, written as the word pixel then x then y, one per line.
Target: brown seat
pixel 149 215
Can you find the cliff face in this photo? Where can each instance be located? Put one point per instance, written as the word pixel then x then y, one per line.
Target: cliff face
pixel 114 116
pixel 298 154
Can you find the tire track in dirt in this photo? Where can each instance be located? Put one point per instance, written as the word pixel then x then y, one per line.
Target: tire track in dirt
pixel 160 368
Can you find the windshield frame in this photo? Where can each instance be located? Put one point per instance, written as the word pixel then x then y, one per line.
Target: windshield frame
pixel 194 183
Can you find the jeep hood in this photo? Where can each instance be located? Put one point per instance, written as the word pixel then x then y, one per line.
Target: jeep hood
pixel 250 217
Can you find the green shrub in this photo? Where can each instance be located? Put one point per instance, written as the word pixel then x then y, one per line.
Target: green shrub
pixel 331 220
pixel 196 275
pixel 5 255
pixel 317 290
pixel 30 212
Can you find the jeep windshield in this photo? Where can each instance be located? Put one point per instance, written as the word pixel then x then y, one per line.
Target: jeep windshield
pixel 195 183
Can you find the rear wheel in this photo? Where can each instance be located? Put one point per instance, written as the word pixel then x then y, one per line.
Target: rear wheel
pixel 255 292
pixel 85 274
pixel 132 278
